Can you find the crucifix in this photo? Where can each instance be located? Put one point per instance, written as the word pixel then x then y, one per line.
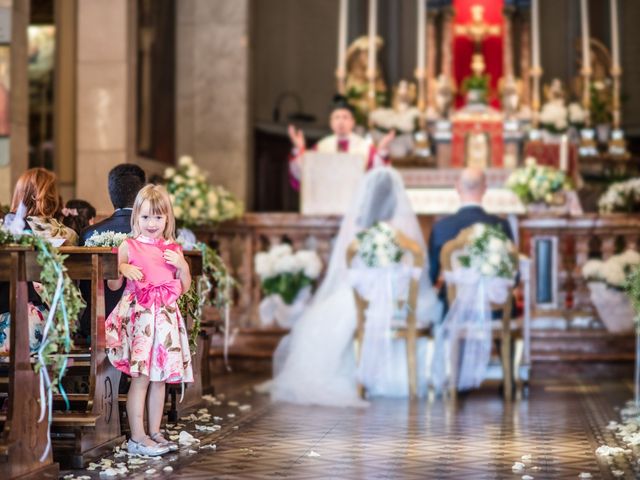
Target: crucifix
pixel 477 29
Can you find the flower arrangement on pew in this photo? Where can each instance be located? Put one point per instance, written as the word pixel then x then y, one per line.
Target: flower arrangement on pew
pixel 191 303
pixel 490 252
pixel 608 281
pixel 108 238
pixel 621 197
pixel 378 246
pixel 65 303
pixel 286 278
pixel 195 202
pixel 539 184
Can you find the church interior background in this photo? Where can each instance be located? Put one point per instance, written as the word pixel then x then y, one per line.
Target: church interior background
pixel 500 85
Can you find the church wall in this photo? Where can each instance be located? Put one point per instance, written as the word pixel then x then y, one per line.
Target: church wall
pixel 212 89
pixel 295 46
pixel 103 68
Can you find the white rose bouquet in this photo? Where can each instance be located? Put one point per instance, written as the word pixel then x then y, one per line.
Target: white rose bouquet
pixel 613 285
pixel 285 272
pixel 490 253
pixel 378 246
pixel 537 183
pixel 621 197
pixel 614 271
pixel 195 202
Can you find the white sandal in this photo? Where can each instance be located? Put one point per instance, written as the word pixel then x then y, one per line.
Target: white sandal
pixel 140 448
pixel 172 446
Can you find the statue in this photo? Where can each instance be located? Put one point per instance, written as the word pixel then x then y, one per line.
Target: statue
pixel 443 94
pixel 404 96
pixel 357 82
pixel 554 92
pixel 403 114
pixel 510 89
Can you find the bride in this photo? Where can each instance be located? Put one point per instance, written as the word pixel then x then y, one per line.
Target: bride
pixel 315 363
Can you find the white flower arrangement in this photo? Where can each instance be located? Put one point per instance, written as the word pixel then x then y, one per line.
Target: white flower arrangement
pixel 613 271
pixel 621 197
pixel 106 239
pixel 490 252
pixel 390 119
pixel 378 246
pixel 285 272
pixel 195 202
pixel 537 183
pixel 557 118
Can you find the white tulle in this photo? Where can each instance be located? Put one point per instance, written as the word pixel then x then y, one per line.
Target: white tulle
pixel 315 363
pixel 463 340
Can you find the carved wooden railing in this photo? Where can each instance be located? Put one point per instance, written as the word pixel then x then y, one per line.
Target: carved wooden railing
pixel 559 247
pixel 559 292
pixel 238 242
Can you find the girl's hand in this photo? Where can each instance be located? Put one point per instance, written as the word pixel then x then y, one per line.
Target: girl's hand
pixel 131 272
pixel 176 259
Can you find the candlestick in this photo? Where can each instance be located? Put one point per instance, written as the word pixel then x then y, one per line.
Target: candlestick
pixel 422 18
pixel 564 153
pixel 341 69
pixel 371 64
pixel 615 36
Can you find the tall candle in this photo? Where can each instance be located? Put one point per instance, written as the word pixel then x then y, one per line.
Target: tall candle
pixel 373 24
pixel 564 153
pixel 342 38
pixel 535 36
pixel 586 50
pixel 615 36
pixel 422 19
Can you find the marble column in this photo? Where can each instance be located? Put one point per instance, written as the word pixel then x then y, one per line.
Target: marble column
pixel 103 95
pixel 18 100
pixel 212 90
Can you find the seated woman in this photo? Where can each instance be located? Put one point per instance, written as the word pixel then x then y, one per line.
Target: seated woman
pixel 36 189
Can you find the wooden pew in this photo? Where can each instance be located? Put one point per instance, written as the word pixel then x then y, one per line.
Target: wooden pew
pixel 92 428
pixel 23 439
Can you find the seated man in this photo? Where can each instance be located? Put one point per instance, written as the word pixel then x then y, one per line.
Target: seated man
pixel 471 187
pixel 342 123
pixel 125 180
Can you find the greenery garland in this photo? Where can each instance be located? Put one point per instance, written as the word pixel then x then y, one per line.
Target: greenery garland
pixel 214 272
pixel 59 341
pixel 632 288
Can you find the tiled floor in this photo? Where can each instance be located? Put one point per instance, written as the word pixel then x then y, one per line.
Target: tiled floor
pixel 560 425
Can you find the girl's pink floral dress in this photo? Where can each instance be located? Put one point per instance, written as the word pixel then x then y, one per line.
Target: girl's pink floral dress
pixel 146 334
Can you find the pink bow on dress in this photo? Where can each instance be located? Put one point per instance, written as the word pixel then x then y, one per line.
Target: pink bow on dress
pixel 159 294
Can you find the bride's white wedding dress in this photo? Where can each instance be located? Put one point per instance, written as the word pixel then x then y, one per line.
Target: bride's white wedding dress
pixel 315 363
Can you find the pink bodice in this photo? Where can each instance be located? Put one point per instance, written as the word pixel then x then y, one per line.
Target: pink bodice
pixel 159 284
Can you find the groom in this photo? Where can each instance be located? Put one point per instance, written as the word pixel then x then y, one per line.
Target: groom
pixel 471 187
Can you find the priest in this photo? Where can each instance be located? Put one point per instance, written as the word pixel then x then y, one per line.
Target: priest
pixel 342 122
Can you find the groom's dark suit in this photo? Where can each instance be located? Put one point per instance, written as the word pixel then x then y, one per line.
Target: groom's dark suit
pixel 119 222
pixel 449 227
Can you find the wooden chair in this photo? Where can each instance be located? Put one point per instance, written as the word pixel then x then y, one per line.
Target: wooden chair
pixel 506 331
pixel 410 331
pixel 23 439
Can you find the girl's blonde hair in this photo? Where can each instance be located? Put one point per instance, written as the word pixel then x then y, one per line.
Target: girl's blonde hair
pixel 159 204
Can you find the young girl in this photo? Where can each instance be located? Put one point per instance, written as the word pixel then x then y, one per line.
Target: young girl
pixel 146 335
